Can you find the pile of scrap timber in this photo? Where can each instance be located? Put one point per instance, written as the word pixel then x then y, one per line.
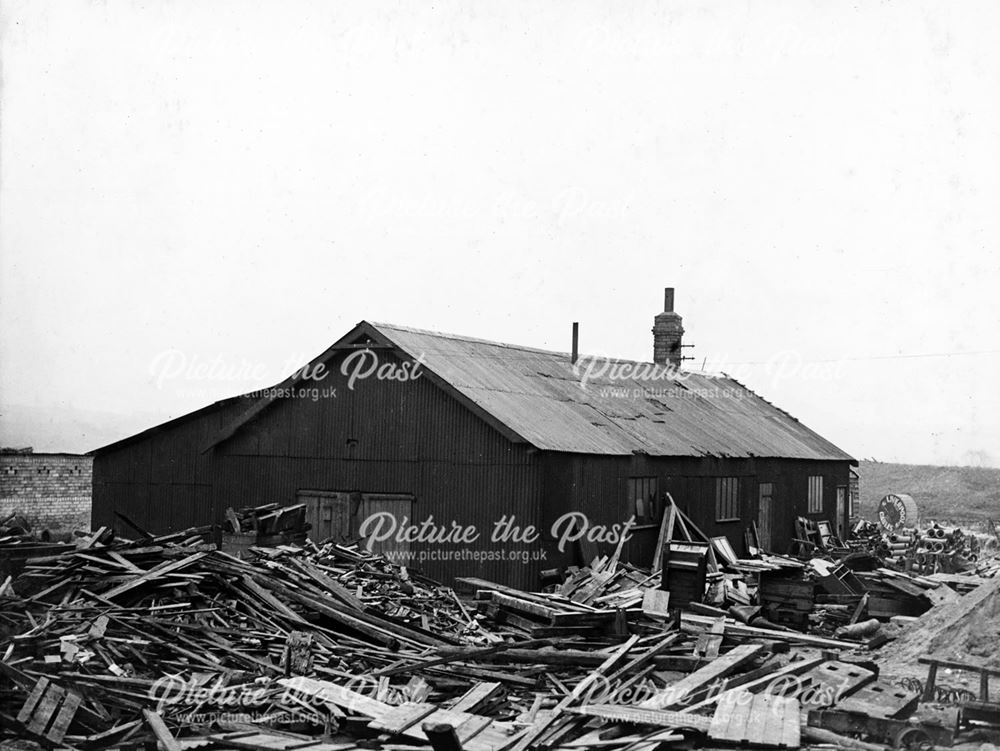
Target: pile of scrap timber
pixel 830 590
pixel 267 526
pixel 90 634
pixel 115 643
pixel 19 543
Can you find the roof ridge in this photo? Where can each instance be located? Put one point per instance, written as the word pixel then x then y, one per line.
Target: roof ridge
pixel 525 348
pixel 463 338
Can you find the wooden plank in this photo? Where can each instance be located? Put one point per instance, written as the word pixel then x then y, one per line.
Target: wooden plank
pixel 666 531
pixel 613 563
pixel 526 607
pixel 862 606
pixel 709 643
pixel 782 724
pixel 160 730
pixel 402 718
pixel 835 740
pixel 351 701
pixel 334 587
pixel 572 618
pixel 254 741
pixel 730 718
pixel 953 665
pixel 32 701
pixel 492 738
pixel 278 606
pixel 696 623
pixel 771 678
pixel 383 631
pixel 476 696
pixel 791 728
pixel 45 708
pixel 541 726
pixel 639 716
pixel 154 573
pixel 630 667
pixel 470 727
pixel 57 731
pixel 756 720
pixel 675 696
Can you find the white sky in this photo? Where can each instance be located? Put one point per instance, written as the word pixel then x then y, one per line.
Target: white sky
pixel 241 182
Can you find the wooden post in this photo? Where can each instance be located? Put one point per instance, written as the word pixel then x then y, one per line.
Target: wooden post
pixel 931 679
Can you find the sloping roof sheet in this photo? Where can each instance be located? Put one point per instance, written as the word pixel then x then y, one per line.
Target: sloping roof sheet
pixel 610 407
pixel 538 397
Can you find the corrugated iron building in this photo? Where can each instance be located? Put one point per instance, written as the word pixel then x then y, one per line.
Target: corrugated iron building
pixel 418 425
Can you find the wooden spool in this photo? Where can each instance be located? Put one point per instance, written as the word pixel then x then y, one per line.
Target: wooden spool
pixel 897 511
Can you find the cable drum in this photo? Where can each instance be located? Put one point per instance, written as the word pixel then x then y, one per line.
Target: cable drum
pixel 897 511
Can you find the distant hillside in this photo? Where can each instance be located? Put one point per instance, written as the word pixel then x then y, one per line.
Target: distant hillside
pixel 957 494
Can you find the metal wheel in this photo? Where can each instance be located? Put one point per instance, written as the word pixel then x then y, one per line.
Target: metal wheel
pixel 913 739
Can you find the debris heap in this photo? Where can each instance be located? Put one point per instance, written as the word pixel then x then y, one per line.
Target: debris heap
pixel 113 643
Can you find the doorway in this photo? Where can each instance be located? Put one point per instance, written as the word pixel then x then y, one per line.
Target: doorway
pixel 765 493
pixel 841 510
pixel 338 516
pixel 329 514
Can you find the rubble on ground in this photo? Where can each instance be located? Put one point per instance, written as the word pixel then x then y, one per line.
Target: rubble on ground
pixel 276 642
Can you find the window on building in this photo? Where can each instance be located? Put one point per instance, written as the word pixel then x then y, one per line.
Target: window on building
pixel 815 494
pixel 642 493
pixel 727 499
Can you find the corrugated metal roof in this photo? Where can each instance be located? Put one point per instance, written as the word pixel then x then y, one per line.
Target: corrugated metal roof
pixel 590 409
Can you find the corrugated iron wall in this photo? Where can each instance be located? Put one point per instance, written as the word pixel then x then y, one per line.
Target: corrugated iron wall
pixel 163 481
pixel 598 486
pixel 413 438
pixel 380 437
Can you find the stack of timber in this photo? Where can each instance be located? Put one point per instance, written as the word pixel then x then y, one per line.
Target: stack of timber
pixel 267 526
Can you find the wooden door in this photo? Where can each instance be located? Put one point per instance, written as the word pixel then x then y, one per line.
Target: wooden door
pixel 765 492
pixel 841 510
pixel 329 513
pixel 400 507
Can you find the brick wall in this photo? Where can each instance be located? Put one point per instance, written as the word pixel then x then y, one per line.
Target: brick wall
pixel 51 491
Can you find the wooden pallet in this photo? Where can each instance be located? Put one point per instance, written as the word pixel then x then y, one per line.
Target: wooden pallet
pixel 49 709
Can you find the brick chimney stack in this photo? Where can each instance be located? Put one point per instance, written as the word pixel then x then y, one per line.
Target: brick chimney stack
pixel 667 333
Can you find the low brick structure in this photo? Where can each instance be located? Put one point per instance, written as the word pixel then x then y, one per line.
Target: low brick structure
pixel 51 491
